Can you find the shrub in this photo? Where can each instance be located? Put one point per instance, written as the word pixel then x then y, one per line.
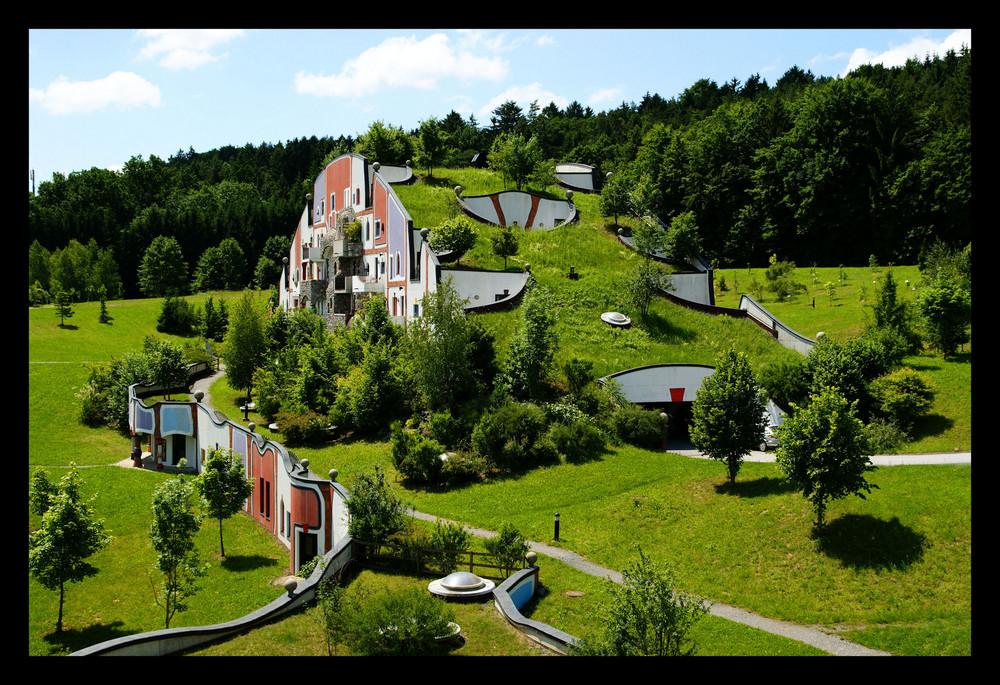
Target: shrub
pixel 416 458
pixel 576 441
pixel 902 396
pixel 177 317
pixel 301 427
pixel 93 405
pixel 399 623
pixel 445 428
pixel 509 436
pixel 509 546
pixel 579 374
pixel 448 537
pixel 784 382
pixel 645 615
pixel 376 512
pixel 884 436
pixel 462 467
pixel 637 426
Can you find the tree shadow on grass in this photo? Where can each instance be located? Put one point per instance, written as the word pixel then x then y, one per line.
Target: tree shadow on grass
pixel 663 330
pixel 73 640
pixel 865 542
pixel 241 562
pixel 759 487
pixel 930 425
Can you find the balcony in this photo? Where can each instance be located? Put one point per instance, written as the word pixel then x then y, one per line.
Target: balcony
pixel 345 248
pixel 357 284
pixel 311 254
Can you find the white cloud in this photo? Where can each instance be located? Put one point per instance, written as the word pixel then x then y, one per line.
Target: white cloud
pixel 523 96
pixel 605 95
pixel 399 62
pixel 121 89
pixel 919 47
pixel 185 48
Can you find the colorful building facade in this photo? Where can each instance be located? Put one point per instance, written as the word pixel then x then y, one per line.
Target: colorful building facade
pixel 303 511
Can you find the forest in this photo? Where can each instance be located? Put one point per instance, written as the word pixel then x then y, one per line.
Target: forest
pixel 817 170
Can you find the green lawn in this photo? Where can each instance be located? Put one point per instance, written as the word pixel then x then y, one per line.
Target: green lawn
pixel 894 571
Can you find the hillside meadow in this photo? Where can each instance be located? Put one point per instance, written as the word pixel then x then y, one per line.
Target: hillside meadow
pixel 893 571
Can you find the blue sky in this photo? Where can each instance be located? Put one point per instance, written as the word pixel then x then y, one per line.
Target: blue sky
pixel 98 97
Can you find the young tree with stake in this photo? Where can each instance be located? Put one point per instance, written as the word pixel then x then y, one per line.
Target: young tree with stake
pixel 68 535
pixel 224 487
pixel 172 534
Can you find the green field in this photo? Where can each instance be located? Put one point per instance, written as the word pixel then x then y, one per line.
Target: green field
pixel 893 573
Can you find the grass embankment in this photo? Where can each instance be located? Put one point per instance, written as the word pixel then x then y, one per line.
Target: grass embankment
pixel 893 570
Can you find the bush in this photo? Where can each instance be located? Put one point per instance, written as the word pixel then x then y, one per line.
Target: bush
pixel 399 623
pixel 645 616
pixel 301 427
pixel 637 426
pixel 784 382
pixel 509 546
pixel 445 428
pixel 462 467
pixel 416 458
pixel 902 396
pixel 509 437
pixel 884 436
pixel 449 537
pixel 376 513
pixel 93 405
pixel 177 317
pixel 579 374
pixel 576 441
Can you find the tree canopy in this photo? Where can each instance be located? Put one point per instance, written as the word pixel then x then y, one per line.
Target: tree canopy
pixel 820 169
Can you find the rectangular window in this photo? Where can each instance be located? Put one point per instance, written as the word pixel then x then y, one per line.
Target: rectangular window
pixel 378 228
pixel 260 497
pixel 267 500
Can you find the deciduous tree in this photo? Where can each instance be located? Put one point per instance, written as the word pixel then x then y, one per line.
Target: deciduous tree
pixel 728 412
pixel 224 487
pixel 454 236
pixel 946 312
pixel 245 343
pixel 172 534
pixel 163 270
pixel 646 615
pixel 823 451
pixel 505 243
pixel 68 535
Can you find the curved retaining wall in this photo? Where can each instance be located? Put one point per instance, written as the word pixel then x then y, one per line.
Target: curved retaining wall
pixel 173 640
pixel 576 176
pixel 782 333
pixel 514 593
pixel 510 207
pixel 487 291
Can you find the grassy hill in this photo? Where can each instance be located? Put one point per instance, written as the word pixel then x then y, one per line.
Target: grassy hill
pixel 894 573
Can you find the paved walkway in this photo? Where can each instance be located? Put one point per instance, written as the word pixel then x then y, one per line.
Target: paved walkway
pixel 685 449
pixel 814 637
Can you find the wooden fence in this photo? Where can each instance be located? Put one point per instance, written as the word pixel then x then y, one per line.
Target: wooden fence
pixel 430 562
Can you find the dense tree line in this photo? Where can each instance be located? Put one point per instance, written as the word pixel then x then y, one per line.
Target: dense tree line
pixel 815 169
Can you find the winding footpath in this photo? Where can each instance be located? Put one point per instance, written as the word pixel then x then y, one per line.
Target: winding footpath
pixel 832 644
